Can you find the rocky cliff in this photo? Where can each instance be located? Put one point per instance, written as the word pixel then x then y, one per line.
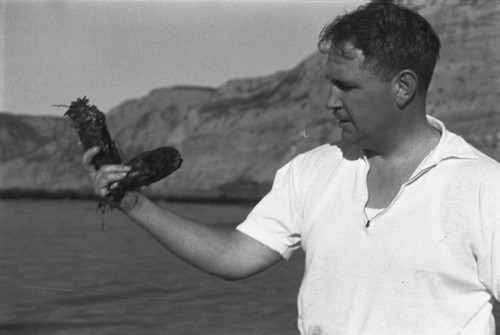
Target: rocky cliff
pixel 233 138
pixel 466 88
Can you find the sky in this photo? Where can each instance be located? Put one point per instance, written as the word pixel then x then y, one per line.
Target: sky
pixel 52 52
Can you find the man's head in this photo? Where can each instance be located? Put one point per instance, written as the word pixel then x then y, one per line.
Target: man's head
pixel 391 39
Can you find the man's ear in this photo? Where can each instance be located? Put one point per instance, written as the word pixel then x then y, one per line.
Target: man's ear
pixel 405 87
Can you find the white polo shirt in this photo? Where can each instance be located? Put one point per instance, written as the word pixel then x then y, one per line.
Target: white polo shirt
pixel 427 264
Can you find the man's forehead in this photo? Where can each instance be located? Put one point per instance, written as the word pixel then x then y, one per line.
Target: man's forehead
pixel 345 63
pixel 344 52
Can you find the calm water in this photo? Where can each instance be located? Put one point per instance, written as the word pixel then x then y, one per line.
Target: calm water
pixel 60 274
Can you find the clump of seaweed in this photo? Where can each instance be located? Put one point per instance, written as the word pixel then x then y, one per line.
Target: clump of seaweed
pixel 146 168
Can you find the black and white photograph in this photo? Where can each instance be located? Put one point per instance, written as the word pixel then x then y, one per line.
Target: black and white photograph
pixel 249 167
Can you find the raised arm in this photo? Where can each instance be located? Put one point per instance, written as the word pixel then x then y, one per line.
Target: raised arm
pixel 226 253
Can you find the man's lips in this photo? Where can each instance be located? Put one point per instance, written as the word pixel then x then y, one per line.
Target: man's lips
pixel 341 119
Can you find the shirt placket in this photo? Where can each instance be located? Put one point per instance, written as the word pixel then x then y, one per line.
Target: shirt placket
pixel 419 172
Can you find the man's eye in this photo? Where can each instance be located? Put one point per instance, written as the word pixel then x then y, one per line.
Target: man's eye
pixel 344 87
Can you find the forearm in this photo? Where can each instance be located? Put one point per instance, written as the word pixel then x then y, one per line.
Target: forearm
pixel 226 253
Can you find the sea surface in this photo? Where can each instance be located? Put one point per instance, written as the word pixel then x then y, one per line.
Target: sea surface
pixel 62 272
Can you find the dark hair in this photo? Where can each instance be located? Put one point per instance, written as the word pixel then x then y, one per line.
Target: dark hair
pixel 392 38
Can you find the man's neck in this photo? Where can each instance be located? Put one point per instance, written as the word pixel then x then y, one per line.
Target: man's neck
pixel 390 170
pixel 414 141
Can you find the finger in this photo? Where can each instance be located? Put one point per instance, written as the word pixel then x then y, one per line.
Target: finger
pixel 103 180
pixel 114 168
pixel 106 176
pixel 87 158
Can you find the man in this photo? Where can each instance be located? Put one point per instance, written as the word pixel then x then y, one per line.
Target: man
pixel 398 221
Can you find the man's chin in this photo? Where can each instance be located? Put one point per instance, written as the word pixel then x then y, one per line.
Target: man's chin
pixel 349 137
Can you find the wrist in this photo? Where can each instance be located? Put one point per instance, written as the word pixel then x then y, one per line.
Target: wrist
pixel 131 202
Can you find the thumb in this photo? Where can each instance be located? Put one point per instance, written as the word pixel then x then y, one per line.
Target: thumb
pixel 87 158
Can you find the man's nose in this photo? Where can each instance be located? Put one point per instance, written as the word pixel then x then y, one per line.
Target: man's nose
pixel 333 102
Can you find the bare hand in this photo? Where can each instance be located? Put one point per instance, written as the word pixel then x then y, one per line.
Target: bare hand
pixel 107 177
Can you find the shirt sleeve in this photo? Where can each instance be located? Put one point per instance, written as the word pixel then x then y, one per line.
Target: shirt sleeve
pixel 488 258
pixel 275 220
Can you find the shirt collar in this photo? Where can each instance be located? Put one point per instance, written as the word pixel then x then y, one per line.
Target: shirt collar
pixel 450 145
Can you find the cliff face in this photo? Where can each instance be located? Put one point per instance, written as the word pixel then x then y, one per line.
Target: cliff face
pixel 465 91
pixel 234 138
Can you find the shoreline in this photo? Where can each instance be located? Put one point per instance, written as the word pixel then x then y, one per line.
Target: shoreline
pixel 72 195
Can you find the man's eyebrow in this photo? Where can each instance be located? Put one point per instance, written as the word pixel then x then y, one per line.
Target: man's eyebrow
pixel 337 81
